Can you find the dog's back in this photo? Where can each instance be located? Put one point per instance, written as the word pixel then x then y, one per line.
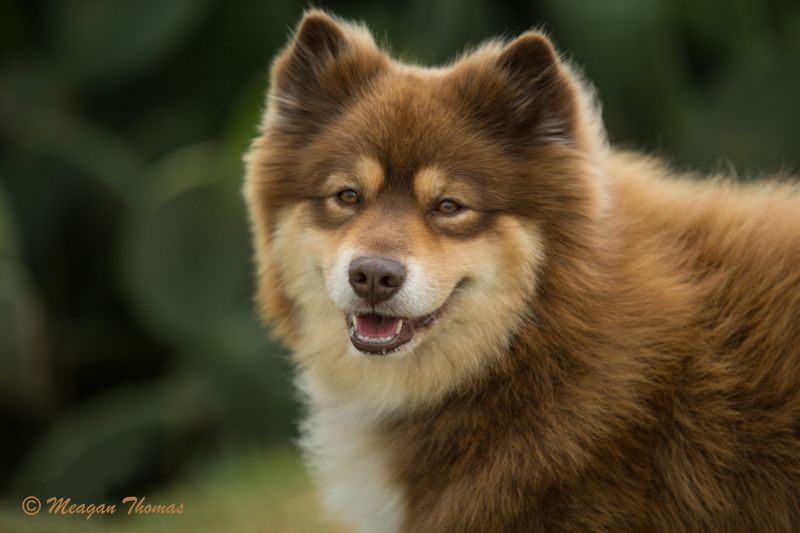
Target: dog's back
pixel 672 404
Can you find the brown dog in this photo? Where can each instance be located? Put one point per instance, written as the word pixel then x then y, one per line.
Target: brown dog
pixel 502 324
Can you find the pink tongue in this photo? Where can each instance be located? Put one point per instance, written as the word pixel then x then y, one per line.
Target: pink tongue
pixel 377 325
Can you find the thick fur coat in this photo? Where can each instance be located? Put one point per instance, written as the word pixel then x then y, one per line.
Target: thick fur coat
pixel 596 343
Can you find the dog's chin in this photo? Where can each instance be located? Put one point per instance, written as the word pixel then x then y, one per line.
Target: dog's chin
pixel 380 335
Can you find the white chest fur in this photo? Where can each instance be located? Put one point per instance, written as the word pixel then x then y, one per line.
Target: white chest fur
pixel 351 468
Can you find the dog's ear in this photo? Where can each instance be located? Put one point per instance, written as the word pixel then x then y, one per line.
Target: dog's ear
pixel 524 91
pixel 529 57
pixel 318 41
pixel 321 69
pixel 544 105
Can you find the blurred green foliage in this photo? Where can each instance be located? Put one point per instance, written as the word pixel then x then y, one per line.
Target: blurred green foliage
pixel 129 349
pixel 250 491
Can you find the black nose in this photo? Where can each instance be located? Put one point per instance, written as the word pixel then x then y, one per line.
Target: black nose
pixel 376 279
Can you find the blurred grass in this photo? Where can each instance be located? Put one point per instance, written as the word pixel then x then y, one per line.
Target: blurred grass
pixel 251 491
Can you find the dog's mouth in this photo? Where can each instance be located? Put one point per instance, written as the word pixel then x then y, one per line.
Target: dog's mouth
pixel 376 334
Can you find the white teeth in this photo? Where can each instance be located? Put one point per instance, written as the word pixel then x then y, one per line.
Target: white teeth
pixel 375 340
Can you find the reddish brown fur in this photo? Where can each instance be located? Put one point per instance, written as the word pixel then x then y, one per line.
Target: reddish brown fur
pixel 654 382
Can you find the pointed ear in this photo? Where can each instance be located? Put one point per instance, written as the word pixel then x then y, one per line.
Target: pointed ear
pixel 318 40
pixel 545 103
pixel 524 91
pixel 325 64
pixel 528 57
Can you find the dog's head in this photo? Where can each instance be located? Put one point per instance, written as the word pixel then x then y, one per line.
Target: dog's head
pixel 402 214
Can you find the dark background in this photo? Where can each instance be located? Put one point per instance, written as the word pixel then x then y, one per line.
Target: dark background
pixel 129 349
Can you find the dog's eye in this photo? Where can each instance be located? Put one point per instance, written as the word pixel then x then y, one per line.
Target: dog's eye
pixel 348 197
pixel 447 207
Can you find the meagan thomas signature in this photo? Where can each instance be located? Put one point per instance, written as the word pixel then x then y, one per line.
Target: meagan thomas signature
pixel 133 505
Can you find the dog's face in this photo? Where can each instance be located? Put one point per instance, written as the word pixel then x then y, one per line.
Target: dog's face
pixel 402 215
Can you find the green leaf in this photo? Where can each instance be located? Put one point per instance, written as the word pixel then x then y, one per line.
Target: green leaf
pixel 103 41
pixel 23 371
pixel 186 258
pixel 24 376
pixel 100 446
pixel 96 151
pixel 8 239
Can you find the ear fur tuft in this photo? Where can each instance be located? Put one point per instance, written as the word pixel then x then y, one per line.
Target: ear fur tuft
pixel 521 91
pixel 319 36
pixel 324 66
pixel 545 106
pixel 528 58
